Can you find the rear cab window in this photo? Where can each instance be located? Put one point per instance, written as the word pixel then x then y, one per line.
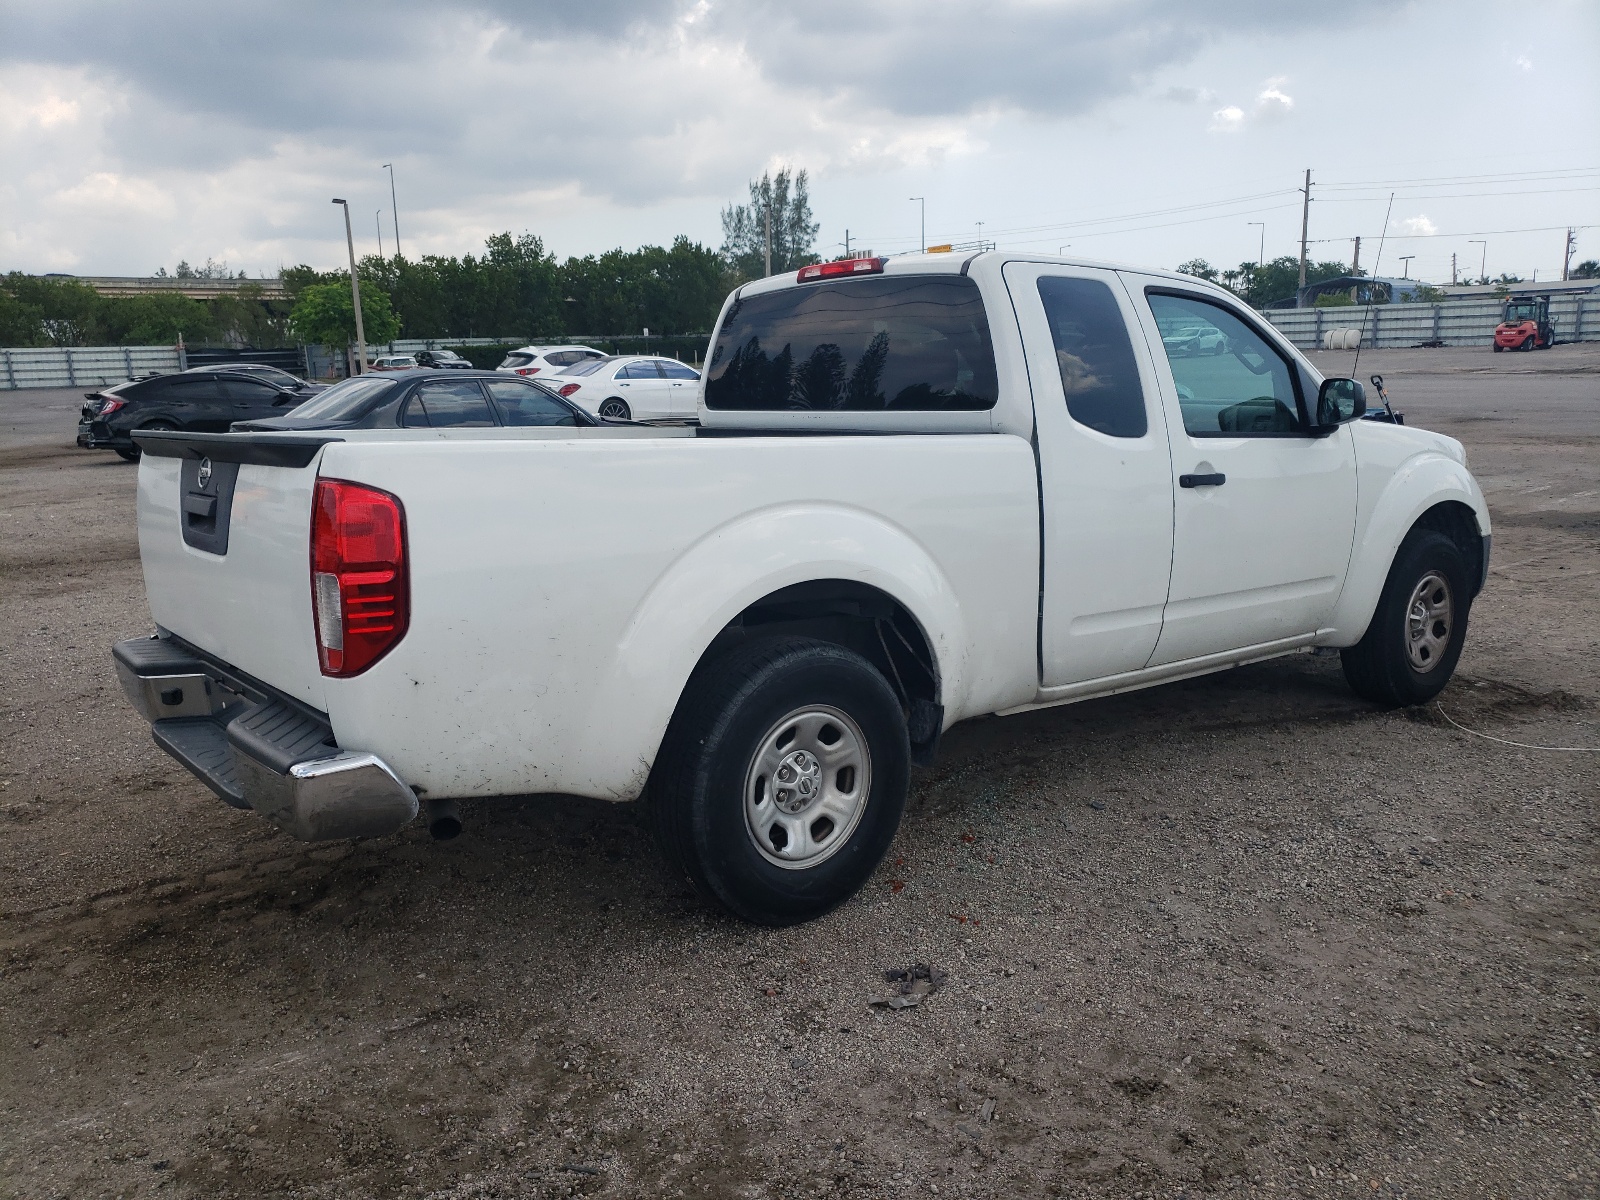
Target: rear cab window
pixel 916 343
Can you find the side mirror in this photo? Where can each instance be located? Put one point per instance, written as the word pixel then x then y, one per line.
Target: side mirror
pixel 1340 400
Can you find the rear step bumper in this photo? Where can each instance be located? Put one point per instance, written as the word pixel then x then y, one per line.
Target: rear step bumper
pixel 257 749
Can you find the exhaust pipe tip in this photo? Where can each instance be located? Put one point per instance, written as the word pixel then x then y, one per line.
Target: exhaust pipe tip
pixel 444 819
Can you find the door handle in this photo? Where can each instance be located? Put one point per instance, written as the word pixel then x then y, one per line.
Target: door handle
pixel 1215 479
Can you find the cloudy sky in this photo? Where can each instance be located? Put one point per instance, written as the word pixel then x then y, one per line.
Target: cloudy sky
pixel 1151 131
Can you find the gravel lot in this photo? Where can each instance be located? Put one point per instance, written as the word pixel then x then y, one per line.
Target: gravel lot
pixel 1245 935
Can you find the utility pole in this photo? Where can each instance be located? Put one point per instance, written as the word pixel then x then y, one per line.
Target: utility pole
pixel 1566 257
pixel 924 204
pixel 767 221
pixel 1355 264
pixel 1305 228
pixel 355 287
pixel 847 243
pixel 377 220
pixel 1452 268
pixel 395 208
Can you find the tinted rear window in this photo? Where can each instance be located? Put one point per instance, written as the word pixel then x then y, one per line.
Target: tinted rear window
pixel 515 360
pixel 587 367
pixel 346 401
pixel 915 344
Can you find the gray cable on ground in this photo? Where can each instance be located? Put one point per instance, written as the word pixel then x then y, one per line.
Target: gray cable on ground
pixel 1489 737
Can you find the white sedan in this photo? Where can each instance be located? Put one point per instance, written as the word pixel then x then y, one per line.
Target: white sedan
pixel 547 360
pixel 632 387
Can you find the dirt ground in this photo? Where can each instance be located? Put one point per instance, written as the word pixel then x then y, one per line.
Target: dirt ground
pixel 1245 935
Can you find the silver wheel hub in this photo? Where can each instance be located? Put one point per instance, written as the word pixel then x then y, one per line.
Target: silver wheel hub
pixel 807 787
pixel 1430 618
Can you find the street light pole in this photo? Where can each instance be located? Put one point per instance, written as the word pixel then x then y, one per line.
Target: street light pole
pixel 1261 255
pixel 924 204
pixel 377 221
pixel 395 208
pixel 1405 271
pixel 1483 267
pixel 355 288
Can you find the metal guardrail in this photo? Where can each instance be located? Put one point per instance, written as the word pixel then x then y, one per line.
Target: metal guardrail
pixel 83 366
pixel 1453 323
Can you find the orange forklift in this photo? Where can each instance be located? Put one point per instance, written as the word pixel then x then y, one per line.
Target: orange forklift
pixel 1525 325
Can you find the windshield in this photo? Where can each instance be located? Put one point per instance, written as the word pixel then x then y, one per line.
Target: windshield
pixel 346 401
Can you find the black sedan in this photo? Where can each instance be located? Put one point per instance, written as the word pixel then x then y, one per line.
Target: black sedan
pixel 273 375
pixel 421 399
pixel 203 400
pixel 442 360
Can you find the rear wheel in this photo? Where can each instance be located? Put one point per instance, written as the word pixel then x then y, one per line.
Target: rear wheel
pixel 782 778
pixel 1411 647
pixel 1529 341
pixel 615 408
pixel 1498 347
pixel 131 454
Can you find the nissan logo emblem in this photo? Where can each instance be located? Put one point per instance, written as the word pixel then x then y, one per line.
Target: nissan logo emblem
pixel 204 476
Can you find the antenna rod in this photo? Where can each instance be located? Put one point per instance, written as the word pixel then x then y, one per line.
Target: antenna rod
pixel 1356 366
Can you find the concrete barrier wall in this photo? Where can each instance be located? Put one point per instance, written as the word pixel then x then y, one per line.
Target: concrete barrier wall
pixel 1455 323
pixel 83 366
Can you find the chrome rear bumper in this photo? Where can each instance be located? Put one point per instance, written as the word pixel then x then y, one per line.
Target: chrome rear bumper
pixel 257 749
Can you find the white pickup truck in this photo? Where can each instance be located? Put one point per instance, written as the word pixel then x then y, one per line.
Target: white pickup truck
pixel 921 489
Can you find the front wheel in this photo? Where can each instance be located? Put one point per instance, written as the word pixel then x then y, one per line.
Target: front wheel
pixel 782 778
pixel 615 409
pixel 1410 649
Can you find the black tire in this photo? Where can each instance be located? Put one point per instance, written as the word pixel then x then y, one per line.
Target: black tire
pixel 1383 666
pixel 1498 347
pixel 616 408
pixel 1529 342
pixel 727 716
pixel 131 454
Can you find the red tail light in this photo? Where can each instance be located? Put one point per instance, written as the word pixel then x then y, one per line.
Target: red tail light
pixel 568 388
pixel 527 370
pixel 109 405
pixel 360 588
pixel 845 266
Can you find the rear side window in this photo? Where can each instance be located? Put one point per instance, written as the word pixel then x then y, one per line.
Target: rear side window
pixel 677 370
pixel 452 405
pixel 639 370
pixel 1099 374
pixel 918 344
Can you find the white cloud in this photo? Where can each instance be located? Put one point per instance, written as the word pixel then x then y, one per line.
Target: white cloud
pixel 1227 120
pixel 1523 61
pixel 1418 226
pixel 1272 104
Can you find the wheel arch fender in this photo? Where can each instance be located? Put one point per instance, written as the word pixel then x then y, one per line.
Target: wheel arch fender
pixel 1427 488
pixel 743 562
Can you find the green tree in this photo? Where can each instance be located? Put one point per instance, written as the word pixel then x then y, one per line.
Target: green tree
pixel 787 198
pixel 1199 268
pixel 1589 268
pixel 325 315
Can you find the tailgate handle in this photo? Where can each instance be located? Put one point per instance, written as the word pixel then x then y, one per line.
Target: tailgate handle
pixel 203 507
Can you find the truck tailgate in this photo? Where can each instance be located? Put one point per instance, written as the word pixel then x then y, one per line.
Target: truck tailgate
pixel 225 538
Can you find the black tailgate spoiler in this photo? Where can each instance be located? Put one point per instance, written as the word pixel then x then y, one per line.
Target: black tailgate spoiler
pixel 257 449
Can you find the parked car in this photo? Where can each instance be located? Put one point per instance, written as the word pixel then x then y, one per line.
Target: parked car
pixel 198 400
pixel 1194 340
pixel 631 387
pixel 419 399
pixel 443 360
pixel 273 375
pixel 534 360
pixel 761 623
pixel 394 362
